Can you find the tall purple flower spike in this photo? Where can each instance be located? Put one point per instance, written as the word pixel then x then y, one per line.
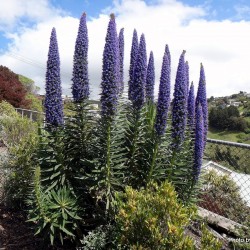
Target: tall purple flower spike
pixel 163 97
pixel 53 103
pixel 109 85
pixel 133 56
pixel 80 87
pixel 187 75
pixel 202 99
pixel 140 71
pixel 191 108
pixel 168 54
pixel 121 59
pixel 150 79
pixel 179 104
pixel 199 142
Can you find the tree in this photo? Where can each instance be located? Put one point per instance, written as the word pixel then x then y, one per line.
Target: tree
pixel 227 118
pixel 11 89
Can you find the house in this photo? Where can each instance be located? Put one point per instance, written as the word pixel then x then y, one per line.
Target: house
pixel 233 102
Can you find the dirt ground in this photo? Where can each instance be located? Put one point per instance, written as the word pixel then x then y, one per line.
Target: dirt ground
pixel 15 233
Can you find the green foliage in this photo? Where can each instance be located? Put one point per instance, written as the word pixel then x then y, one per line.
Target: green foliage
pixel 35 103
pixel 152 218
pixel 29 84
pixel 7 109
pixel 227 118
pixel 51 159
pixel 222 194
pixel 20 137
pixel 95 157
pixel 110 156
pixel 208 242
pixel 14 128
pixel 19 166
pixel 69 108
pixel 54 212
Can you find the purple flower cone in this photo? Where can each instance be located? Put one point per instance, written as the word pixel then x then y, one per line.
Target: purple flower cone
pixel 53 103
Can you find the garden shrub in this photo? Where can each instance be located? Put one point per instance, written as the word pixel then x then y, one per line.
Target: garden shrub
pixel 20 166
pixel 14 129
pixel 153 218
pixel 7 109
pixel 20 136
pixel 223 196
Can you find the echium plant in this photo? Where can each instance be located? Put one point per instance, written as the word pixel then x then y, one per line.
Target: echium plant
pixel 139 78
pixel 179 104
pixel 109 84
pixel 53 103
pixel 155 169
pixel 163 98
pixel 150 79
pixel 202 99
pixel 133 56
pixel 121 60
pixel 187 76
pixel 191 108
pixel 80 88
pixel 199 141
pixel 106 141
pixel 168 54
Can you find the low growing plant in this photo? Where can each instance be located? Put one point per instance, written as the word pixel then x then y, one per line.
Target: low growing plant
pixel 153 218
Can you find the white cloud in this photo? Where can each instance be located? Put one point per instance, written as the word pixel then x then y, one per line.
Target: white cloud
pixel 222 46
pixel 12 12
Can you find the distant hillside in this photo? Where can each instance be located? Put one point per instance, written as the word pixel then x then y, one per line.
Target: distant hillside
pixel 32 90
pixel 229 117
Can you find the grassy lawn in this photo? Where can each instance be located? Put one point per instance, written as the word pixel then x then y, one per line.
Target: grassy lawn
pixel 234 136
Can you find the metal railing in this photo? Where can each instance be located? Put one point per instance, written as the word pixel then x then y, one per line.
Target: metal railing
pixel 226 174
pixel 40 116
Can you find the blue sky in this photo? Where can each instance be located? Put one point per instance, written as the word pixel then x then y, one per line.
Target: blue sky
pixel 215 32
pixel 218 9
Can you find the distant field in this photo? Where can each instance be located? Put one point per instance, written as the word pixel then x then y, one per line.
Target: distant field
pixel 225 135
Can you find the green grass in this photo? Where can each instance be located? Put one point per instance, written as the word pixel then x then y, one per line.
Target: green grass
pixel 225 135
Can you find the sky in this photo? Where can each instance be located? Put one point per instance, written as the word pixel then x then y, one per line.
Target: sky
pixel 215 33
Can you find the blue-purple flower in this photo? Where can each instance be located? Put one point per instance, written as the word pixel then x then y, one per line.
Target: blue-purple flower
pixel 191 108
pixel 150 79
pixel 163 97
pixel 80 87
pixel 109 85
pixel 179 104
pixel 199 142
pixel 53 103
pixel 168 54
pixel 133 56
pixel 139 79
pixel 121 59
pixel 187 75
pixel 202 99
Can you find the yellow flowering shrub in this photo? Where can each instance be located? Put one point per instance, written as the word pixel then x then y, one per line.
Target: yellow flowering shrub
pixel 153 218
